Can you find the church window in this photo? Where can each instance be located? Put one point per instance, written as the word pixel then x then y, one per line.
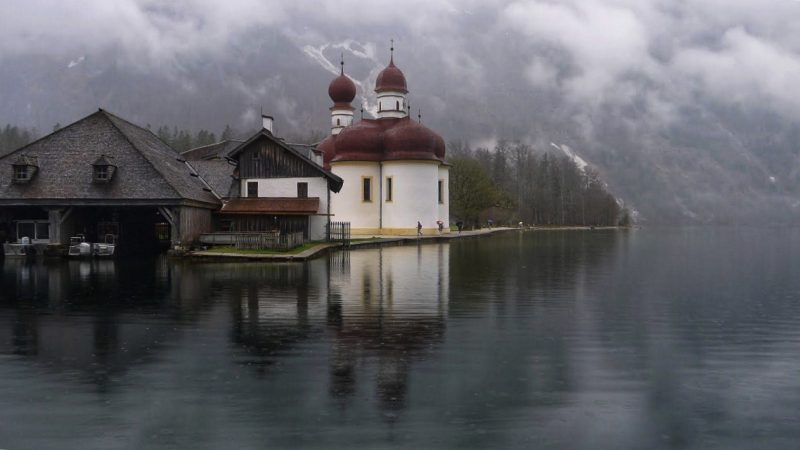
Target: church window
pixel 366 189
pixel 338 122
pixel 441 191
pixel 389 186
pixel 397 105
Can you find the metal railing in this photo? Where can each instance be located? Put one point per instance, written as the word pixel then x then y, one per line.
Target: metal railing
pixel 268 240
pixel 339 232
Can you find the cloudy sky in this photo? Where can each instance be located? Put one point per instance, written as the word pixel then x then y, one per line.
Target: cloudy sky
pixel 575 71
pixel 587 50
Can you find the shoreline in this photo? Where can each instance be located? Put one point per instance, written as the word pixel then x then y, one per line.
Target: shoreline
pixel 374 242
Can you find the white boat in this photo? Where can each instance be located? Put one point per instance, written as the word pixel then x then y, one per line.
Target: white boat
pixel 21 249
pixel 78 247
pixel 105 248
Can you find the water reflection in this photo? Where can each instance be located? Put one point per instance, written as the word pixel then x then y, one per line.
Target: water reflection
pixel 587 340
pixel 388 306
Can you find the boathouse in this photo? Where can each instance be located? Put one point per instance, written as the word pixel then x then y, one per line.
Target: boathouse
pixel 103 175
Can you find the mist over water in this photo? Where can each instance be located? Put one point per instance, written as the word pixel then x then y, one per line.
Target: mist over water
pixel 655 338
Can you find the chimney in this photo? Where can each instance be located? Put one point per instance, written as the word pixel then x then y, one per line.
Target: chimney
pixel 266 122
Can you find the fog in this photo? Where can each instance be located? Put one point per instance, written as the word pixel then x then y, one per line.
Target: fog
pixel 685 107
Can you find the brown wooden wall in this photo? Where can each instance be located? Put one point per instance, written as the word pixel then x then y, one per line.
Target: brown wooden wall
pixel 193 222
pixel 265 159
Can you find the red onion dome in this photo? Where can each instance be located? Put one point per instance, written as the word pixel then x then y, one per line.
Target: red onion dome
pixel 410 140
pixel 328 148
pixel 391 79
pixel 342 90
pixel 439 147
pixel 362 141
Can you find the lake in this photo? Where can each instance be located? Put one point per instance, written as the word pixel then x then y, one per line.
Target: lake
pixel 649 338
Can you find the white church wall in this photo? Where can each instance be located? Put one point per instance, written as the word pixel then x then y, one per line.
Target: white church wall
pixel 414 196
pixel 444 207
pixel 348 204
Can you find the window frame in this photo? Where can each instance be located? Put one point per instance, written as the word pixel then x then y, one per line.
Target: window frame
pixel 367 198
pixel 440 187
pixel 22 170
pixel 101 172
pixel 250 184
pixel 302 193
pixel 389 197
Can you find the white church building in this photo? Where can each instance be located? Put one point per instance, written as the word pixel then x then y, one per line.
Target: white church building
pixel 393 167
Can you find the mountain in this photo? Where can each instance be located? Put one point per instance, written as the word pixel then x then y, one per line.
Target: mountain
pixel 711 162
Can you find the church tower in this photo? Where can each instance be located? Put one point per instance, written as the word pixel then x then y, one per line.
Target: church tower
pixel 342 91
pixel 391 89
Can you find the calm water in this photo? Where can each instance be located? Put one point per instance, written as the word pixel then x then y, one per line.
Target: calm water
pixel 684 338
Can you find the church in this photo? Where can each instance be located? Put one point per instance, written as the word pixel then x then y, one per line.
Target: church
pixel 393 167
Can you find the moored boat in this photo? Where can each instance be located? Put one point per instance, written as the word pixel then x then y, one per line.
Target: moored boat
pixel 21 249
pixel 79 248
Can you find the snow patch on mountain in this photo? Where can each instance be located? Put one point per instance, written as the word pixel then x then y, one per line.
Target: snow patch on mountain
pixel 75 62
pixel 358 49
pixel 580 162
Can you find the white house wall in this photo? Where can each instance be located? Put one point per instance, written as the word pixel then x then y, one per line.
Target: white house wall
pixel 287 187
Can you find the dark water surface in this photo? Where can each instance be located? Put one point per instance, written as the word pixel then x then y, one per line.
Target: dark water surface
pixel 685 338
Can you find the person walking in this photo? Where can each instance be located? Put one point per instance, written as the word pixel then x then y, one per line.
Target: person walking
pixel 440 225
pixel 460 226
pixel 419 228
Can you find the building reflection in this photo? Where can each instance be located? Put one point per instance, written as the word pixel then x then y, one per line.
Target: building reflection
pixel 387 306
pixel 93 318
pixel 381 310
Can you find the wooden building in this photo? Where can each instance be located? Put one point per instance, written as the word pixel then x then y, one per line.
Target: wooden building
pixel 268 185
pixel 103 175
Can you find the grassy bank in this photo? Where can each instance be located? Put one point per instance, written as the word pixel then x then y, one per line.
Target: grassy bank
pixel 235 251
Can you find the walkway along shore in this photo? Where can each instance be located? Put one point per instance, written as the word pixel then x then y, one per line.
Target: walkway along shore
pixel 372 242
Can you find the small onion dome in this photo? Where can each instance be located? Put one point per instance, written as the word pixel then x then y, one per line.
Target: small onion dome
pixel 411 140
pixel 342 90
pixel 328 148
pixel 362 141
pixel 391 79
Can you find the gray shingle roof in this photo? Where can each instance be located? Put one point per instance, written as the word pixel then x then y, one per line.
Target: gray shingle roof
pixel 147 168
pixel 218 150
pixel 218 173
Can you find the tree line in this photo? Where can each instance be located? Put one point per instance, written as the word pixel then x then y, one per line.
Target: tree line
pixel 13 137
pixel 514 183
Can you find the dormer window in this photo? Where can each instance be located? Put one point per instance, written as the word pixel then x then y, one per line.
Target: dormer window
pixel 103 169
pixel 25 168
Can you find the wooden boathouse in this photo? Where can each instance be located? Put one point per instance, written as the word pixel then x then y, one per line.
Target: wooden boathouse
pixel 103 175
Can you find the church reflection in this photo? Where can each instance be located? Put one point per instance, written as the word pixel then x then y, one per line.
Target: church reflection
pixel 376 307
pixel 388 307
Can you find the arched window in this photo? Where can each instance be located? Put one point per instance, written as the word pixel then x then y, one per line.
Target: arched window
pixel 338 123
pixel 380 106
pixel 398 105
